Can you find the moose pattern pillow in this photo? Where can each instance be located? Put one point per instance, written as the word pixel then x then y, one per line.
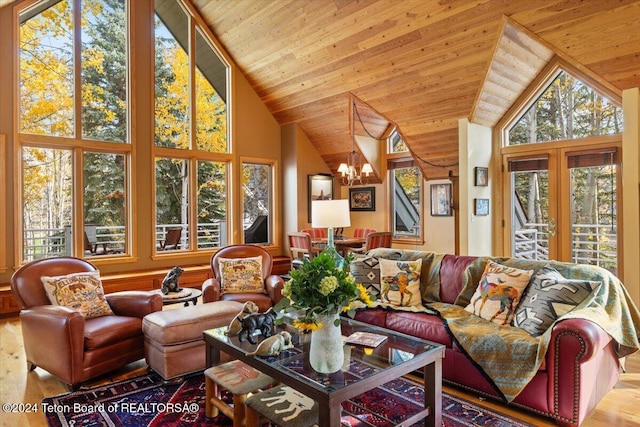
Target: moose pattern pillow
pixel 241 275
pixel 499 292
pixel 549 297
pixel 82 291
pixel 400 282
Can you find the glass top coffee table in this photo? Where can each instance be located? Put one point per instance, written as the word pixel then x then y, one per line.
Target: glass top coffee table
pixel 364 368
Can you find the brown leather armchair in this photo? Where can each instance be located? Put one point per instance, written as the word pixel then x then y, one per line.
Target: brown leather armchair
pixel 211 288
pixel 60 340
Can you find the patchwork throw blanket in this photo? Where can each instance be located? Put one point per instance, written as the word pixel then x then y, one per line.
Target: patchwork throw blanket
pixel 510 356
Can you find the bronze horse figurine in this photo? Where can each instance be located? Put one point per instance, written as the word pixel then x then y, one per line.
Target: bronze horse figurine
pixel 507 295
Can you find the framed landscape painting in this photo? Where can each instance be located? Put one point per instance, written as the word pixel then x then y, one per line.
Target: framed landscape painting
pixel 362 199
pixel 320 188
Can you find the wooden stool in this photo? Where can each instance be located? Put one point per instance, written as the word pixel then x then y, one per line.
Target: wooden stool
pixel 281 405
pixel 239 379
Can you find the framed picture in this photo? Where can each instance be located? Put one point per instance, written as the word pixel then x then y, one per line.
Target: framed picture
pixel 482 177
pixel 441 200
pixel 362 199
pixel 320 188
pixel 481 207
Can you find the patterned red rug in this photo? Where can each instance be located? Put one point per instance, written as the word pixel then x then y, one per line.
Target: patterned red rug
pixel 146 401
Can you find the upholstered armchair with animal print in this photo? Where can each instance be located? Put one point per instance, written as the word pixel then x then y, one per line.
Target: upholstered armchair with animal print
pixel 243 273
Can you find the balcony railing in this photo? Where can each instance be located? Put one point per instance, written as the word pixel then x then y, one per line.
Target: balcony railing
pixel 53 242
pixel 593 244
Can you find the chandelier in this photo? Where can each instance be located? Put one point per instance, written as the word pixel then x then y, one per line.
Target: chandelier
pixel 354 172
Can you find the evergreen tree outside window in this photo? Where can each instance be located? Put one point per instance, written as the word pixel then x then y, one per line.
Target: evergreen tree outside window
pixel 191 130
pixel 64 114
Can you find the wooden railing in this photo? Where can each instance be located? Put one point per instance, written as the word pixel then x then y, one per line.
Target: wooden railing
pixel 593 244
pixel 52 242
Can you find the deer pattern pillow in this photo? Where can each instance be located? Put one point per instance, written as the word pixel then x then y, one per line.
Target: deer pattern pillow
pixel 400 282
pixel 499 292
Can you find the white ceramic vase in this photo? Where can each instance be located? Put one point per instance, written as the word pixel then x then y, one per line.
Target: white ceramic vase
pixel 326 354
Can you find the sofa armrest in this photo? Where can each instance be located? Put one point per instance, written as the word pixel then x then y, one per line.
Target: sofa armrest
pixel 53 338
pixel 582 366
pixel 582 338
pixel 274 285
pixel 134 303
pixel 210 290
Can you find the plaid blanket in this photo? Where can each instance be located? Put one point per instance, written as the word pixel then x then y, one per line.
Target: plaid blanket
pixel 508 355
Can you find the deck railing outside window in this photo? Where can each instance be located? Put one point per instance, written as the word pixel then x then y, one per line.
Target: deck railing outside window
pixel 594 244
pixel 53 242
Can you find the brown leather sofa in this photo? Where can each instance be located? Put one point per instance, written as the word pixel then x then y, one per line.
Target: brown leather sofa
pixel 211 288
pixel 60 340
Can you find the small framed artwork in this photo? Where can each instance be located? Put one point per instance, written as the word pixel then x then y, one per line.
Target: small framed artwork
pixel 441 200
pixel 320 188
pixel 481 207
pixel 362 199
pixel 482 177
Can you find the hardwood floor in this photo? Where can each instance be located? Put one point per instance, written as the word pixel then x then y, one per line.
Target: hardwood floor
pixel 620 408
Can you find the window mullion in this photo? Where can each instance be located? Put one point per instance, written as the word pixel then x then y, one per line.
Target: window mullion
pixel 77 68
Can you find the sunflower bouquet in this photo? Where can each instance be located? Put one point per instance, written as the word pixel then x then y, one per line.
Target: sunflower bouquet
pixel 322 287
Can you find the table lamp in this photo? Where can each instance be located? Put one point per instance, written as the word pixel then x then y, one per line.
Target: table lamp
pixel 331 214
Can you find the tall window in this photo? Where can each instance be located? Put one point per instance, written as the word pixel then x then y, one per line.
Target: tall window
pixel 258 202
pixel 73 88
pixel 406 193
pixel 563 196
pixel 191 132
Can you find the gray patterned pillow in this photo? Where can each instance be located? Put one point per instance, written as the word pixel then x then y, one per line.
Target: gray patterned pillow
pixel 548 297
pixel 366 270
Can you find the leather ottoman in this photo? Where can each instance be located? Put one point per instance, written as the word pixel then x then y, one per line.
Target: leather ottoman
pixel 173 343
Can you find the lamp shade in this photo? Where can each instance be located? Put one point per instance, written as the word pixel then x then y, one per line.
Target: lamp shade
pixel 330 213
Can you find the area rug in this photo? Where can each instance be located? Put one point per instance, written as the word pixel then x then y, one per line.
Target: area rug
pixel 146 401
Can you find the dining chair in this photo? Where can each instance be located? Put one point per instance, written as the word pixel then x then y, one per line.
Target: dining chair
pixel 361 233
pixel 300 247
pixel 377 239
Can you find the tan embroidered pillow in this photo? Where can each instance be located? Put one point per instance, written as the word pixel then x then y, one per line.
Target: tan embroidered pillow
pixel 498 293
pixel 82 291
pixel 400 282
pixel 241 275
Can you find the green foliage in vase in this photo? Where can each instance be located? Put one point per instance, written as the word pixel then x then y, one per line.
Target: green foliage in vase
pixel 321 287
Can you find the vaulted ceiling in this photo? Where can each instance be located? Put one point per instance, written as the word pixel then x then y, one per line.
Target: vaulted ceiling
pixel 419 64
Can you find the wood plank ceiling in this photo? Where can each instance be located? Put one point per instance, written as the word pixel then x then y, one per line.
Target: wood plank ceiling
pixel 421 64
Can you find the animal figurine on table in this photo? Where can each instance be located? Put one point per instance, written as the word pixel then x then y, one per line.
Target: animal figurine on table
pixel 170 281
pixel 263 322
pixel 235 326
pixel 273 345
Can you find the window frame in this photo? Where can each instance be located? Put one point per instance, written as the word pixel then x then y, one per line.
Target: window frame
pixel 398 162
pixel 3 221
pixel 192 154
pixel 77 145
pixel 274 235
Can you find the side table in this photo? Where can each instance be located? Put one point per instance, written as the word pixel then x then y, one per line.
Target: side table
pixel 186 295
